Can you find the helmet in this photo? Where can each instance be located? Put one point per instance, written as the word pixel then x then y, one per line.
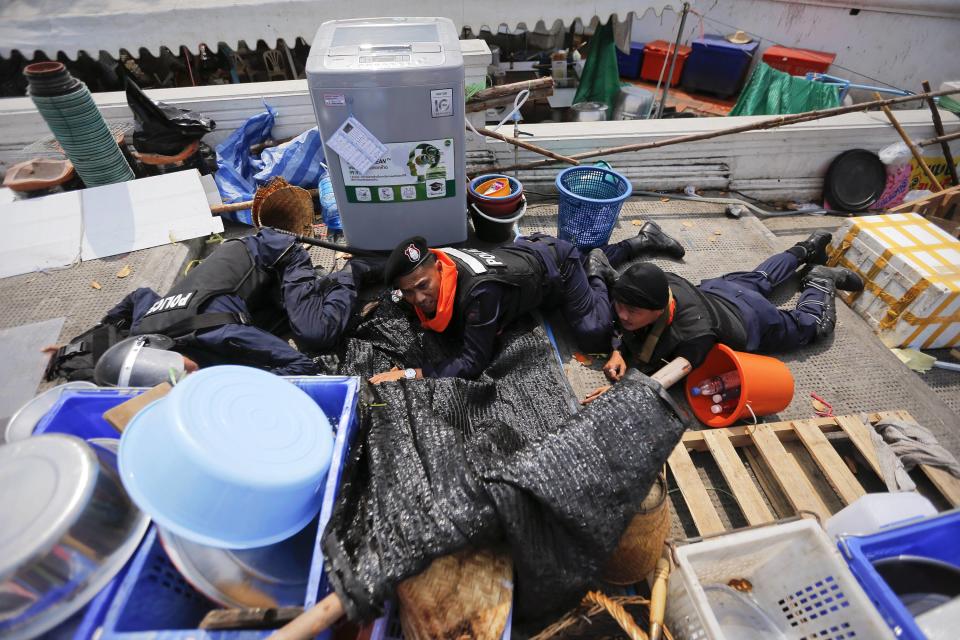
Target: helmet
pixel 138 361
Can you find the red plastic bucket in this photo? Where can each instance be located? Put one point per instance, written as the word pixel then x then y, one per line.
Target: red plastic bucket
pixel 766 385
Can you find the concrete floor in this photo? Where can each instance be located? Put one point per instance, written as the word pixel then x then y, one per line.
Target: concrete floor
pixel 852 370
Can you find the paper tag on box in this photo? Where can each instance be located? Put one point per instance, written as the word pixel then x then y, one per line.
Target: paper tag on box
pixel 356 145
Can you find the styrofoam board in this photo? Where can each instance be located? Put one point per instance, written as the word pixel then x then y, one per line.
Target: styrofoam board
pixel 57 230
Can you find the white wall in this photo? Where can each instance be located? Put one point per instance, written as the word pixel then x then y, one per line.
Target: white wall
pixel 897 48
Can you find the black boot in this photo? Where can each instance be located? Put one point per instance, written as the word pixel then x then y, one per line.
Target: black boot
pixel 599 266
pixel 828 280
pixel 651 238
pixel 367 271
pixel 813 250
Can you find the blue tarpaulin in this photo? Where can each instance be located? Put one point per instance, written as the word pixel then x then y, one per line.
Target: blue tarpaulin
pixel 239 173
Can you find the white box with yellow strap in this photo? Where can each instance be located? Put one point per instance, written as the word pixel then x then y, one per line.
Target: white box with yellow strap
pixel 911 269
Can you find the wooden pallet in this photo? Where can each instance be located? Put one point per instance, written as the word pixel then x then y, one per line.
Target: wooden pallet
pixel 781 470
pixel 942 208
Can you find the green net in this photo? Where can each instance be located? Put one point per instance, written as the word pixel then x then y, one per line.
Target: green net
pixel 771 92
pixel 600 80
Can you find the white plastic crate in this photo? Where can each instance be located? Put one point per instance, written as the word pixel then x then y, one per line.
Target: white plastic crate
pixel 798 581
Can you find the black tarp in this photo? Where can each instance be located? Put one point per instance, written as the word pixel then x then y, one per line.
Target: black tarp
pixel 505 459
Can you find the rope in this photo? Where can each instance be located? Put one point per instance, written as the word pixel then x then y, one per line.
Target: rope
pixel 618 613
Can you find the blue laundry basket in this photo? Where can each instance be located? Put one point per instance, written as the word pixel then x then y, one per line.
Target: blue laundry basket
pixel 590 202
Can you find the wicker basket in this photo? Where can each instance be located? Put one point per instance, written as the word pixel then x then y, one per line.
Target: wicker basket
pixel 463 595
pixel 642 542
pixel 283 206
pixel 600 617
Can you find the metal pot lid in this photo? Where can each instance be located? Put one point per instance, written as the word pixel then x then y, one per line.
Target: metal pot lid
pixel 27 417
pixel 45 484
pixel 589 106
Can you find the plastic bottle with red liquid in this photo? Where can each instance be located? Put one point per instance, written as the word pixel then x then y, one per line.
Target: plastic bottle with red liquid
pixel 718 384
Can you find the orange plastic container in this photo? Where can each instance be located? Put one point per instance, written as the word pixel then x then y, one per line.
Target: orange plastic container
pixel 766 385
pixel 798 62
pixel 654 54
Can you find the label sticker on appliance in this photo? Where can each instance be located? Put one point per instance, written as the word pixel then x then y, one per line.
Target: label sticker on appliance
pixel 441 103
pixel 356 145
pixel 334 100
pixel 408 171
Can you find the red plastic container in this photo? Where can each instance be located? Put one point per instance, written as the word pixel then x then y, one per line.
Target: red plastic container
pixel 654 54
pixel 798 62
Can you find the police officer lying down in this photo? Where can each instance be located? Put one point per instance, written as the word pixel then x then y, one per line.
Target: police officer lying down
pixel 661 317
pixel 232 309
pixel 474 294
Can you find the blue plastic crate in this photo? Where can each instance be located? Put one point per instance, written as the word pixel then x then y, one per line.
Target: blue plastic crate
pixel 79 412
pixel 629 64
pixel 937 538
pixel 154 601
pixel 717 66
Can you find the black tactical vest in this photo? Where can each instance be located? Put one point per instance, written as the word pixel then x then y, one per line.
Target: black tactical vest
pixel 229 269
pixel 694 317
pixel 509 266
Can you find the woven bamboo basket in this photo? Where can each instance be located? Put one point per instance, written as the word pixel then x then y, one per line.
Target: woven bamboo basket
pixel 642 543
pixel 284 206
pixel 600 617
pixel 463 595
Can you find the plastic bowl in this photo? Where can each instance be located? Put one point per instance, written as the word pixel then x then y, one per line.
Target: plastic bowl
pixel 232 457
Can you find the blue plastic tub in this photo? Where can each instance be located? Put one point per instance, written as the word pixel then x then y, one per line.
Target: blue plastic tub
pixel 629 64
pixel 154 601
pixel 590 202
pixel 717 66
pixel 937 538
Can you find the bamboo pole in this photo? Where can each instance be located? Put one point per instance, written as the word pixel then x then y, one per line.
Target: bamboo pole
pixel 490 103
pixel 512 89
pixel 938 127
pixel 770 123
pixel 525 145
pixel 934 183
pixel 313 621
pixel 947 138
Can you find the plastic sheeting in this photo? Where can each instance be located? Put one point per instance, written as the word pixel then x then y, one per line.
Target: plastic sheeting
pixel 93 25
pixel 298 161
pixel 772 92
pixel 504 460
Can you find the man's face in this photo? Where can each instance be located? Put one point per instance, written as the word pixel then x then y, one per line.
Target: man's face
pixel 421 287
pixel 634 318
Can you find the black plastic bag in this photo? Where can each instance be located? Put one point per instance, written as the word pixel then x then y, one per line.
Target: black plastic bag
pixel 161 128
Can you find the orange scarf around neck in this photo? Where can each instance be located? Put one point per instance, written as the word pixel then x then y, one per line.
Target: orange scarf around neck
pixel 445 299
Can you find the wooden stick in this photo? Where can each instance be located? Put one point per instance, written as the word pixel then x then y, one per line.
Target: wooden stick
pixel 513 89
pixel 938 126
pixel 221 209
pixel 312 622
pixel 939 139
pixel 525 145
pixel 771 123
pixel 658 597
pixel 483 105
pixel 934 183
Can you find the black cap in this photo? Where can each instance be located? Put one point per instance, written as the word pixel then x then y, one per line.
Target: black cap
pixel 406 256
pixel 643 285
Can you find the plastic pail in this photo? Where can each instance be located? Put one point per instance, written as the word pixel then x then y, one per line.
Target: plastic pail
pixel 766 385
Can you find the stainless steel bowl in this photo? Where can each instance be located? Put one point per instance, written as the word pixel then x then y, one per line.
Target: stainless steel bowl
pixel 632 103
pixel 67 527
pixel 27 417
pixel 271 576
pixel 588 112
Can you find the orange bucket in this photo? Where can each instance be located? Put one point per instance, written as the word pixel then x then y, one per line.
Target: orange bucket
pixel 766 385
